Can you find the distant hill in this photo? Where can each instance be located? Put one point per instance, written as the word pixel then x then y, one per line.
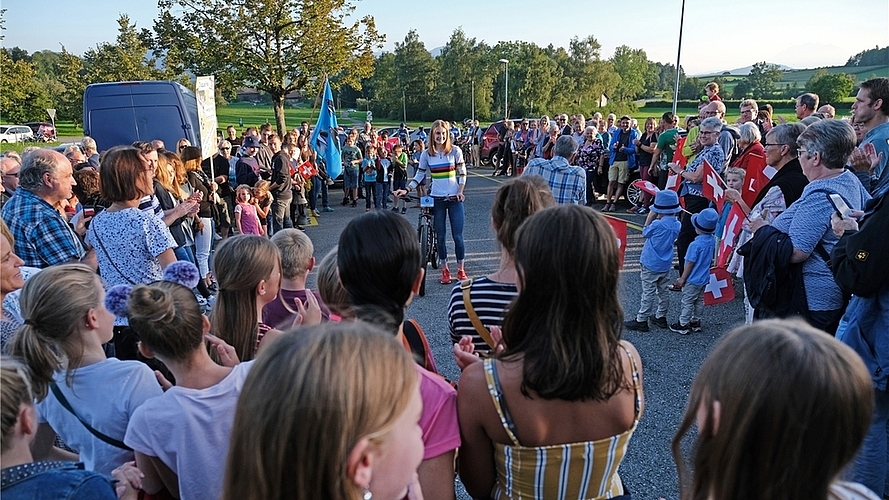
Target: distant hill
pixel 741 71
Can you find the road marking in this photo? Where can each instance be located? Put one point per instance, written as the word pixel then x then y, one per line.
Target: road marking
pixel 632 225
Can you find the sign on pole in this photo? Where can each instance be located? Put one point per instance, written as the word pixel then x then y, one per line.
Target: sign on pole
pixel 205 91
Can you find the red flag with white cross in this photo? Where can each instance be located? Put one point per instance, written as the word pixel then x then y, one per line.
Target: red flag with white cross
pixel 729 235
pixel 307 169
pixel 720 288
pixel 620 230
pixel 646 186
pixel 754 181
pixel 714 187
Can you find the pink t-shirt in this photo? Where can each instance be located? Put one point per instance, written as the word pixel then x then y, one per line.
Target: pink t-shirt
pixel 441 432
pixel 249 218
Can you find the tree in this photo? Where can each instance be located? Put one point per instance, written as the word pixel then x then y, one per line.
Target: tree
pixel 69 102
pixel 871 57
pixel 831 88
pixel 123 60
pixel 276 46
pixel 23 97
pixel 762 78
pixel 590 75
pixel 741 90
pixel 415 74
pixel 463 69
pixel 632 66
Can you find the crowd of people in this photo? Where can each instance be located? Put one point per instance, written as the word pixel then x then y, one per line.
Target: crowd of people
pixel 128 383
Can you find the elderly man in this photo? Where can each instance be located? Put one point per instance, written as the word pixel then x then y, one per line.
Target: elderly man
pixel 91 151
pixel 75 155
pixel 806 105
pixel 43 237
pixel 567 182
pixel 728 137
pixel 9 168
pixel 827 112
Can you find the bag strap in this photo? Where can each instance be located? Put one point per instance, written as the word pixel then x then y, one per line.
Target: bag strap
pixel 415 340
pixel 473 317
pixel 102 437
pixel 102 246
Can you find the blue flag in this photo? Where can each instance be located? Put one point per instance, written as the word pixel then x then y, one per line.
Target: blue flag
pixel 325 138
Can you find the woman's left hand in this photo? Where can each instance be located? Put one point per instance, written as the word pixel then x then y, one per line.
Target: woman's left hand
pixel 842 224
pixel 310 313
pixel 464 352
pixel 461 197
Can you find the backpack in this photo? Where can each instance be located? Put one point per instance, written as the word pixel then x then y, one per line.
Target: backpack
pixel 735 152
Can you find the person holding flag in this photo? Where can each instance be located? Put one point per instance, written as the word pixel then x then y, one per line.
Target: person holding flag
pixel 692 189
pixel 325 138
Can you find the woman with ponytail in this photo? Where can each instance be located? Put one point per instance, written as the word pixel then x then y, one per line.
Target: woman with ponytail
pixel 65 324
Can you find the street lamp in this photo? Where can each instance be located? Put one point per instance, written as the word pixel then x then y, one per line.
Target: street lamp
pixel 506 91
pixel 678 56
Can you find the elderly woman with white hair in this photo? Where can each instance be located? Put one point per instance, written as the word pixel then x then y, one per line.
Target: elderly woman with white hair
pixel 753 154
pixel 692 189
pixel 823 149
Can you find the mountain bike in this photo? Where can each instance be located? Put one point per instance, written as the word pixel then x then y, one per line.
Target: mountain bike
pixel 428 239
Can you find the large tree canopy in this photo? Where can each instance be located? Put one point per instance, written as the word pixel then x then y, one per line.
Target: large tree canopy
pixel 277 46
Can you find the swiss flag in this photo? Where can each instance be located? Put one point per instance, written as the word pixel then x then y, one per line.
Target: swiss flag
pixel 720 288
pixel 391 143
pixel 714 186
pixel 307 169
pixel 646 186
pixel 674 181
pixel 756 179
pixel 620 230
pixel 729 235
pixel 677 156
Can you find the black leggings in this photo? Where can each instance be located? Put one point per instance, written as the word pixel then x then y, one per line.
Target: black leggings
pixel 693 204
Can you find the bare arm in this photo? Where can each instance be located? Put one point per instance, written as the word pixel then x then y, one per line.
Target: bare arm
pixel 437 477
pixel 476 464
pixel 157 475
pixel 166 258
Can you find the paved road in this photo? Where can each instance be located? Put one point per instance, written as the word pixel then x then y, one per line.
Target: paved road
pixel 670 361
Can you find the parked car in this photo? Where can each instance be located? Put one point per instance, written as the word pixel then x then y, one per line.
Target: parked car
pixel 490 145
pixel 42 131
pixel 15 133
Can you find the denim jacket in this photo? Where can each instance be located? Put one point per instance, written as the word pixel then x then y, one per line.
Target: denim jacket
pixel 56 480
pixel 865 328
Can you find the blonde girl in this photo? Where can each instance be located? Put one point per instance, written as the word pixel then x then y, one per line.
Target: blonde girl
pixel 65 324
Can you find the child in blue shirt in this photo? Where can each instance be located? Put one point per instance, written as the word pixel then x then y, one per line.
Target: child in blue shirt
pixel 657 259
pixel 382 187
pixel 697 272
pixel 369 170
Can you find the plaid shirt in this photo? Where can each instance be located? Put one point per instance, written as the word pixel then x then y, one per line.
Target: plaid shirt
pixel 567 182
pixel 42 237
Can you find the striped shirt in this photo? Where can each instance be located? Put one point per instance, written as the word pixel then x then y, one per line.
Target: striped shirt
pixel 585 469
pixel 489 300
pixel 447 171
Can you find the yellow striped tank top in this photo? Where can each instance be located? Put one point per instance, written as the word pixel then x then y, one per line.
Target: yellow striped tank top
pixel 585 470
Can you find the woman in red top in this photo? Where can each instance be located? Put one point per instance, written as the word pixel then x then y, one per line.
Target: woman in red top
pixel 753 154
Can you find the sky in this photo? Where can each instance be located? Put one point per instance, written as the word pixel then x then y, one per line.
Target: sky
pixel 800 34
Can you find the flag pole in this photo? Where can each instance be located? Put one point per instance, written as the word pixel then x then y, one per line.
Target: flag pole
pixel 317 98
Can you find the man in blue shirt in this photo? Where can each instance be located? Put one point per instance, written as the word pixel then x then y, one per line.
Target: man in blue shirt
pixel 43 237
pixel 567 182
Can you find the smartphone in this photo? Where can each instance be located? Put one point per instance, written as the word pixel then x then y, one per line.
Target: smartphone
pixel 839 205
pixel 89 211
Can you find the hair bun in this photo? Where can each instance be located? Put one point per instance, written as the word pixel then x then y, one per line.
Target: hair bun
pixel 116 300
pixel 182 272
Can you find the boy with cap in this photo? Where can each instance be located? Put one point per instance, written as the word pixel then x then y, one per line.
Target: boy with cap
pixel 696 273
pixel 660 232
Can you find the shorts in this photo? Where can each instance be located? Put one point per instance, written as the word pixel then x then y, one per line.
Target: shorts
pixel 619 172
pixel 399 184
pixel 350 178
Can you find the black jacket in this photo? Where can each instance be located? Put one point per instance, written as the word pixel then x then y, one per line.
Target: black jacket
pixel 774 285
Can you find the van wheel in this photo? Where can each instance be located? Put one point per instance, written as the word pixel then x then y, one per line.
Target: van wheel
pixel 4 141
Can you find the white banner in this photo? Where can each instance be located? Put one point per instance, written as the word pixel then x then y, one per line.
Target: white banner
pixel 205 90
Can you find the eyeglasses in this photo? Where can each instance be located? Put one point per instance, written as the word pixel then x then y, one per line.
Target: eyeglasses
pixel 224 149
pixel 707 132
pixel 11 175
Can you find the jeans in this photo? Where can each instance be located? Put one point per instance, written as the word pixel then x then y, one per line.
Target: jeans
pixel 313 193
pixel 872 463
pixel 382 194
pixel 826 321
pixel 325 201
pixel 453 210
pixel 281 213
pixel 185 253
pixel 654 290
pixel 203 240
pixel 370 190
